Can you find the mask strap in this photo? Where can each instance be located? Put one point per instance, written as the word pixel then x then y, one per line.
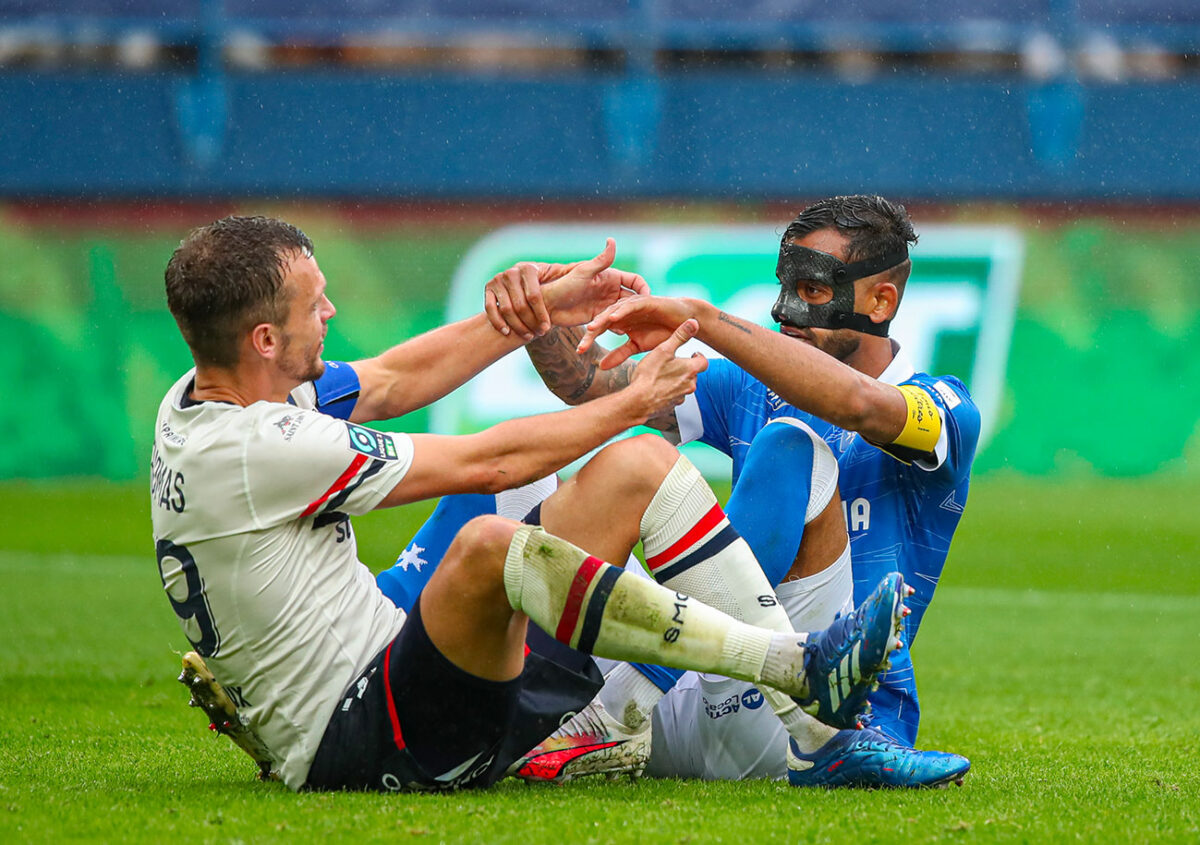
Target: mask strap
pixel 870 266
pixel 858 322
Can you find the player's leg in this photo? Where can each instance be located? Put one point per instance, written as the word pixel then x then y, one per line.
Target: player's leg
pixel 785 504
pixel 795 540
pixel 650 493
pixel 497 572
pixel 467 634
pixel 690 547
pixel 404 580
pixel 715 727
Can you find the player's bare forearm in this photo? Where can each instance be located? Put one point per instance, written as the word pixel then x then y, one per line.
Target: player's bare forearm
pixel 804 376
pixel 519 451
pixel 577 378
pixel 422 370
pixel 511 453
pixel 572 377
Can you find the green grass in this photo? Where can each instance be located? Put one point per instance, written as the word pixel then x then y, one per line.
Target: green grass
pixel 1060 655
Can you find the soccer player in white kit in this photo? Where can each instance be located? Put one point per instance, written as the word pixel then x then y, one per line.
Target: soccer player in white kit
pixel 251 494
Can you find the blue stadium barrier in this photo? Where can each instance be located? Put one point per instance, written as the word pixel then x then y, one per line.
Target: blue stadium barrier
pixel 639 132
pixel 74 135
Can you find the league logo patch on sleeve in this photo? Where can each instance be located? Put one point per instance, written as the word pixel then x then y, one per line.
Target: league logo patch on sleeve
pixel 373 443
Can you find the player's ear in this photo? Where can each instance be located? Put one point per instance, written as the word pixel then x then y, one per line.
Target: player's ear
pixel 265 340
pixel 885 296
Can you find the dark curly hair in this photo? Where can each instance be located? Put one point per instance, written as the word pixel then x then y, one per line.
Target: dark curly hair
pixel 874 226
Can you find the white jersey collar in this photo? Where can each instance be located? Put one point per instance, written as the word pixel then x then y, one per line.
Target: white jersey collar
pixel 900 369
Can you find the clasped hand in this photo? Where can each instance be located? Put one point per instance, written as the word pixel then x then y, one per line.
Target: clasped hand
pixel 530 297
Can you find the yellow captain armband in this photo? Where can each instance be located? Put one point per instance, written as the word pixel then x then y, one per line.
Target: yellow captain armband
pixel 923 425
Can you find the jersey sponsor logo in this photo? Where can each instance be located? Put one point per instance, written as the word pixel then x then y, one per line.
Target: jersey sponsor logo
pixel 948 395
pixel 372 443
pixel 752 699
pixel 725 707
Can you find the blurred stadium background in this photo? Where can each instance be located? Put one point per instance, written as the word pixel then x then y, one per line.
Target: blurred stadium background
pixel 401 132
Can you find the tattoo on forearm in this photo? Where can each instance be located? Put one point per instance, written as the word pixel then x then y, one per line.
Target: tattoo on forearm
pixel 570 376
pixel 733 321
pixel 586 383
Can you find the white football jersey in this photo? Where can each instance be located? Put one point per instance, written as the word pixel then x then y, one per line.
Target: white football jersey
pixel 250 512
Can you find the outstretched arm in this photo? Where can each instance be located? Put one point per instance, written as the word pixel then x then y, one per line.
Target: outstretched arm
pixel 800 374
pixel 519 451
pixel 420 371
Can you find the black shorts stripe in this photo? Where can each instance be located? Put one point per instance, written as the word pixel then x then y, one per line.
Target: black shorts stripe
pixel 717 544
pixel 595 609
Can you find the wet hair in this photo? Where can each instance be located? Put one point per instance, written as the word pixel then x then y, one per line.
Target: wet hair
pixel 226 278
pixel 874 226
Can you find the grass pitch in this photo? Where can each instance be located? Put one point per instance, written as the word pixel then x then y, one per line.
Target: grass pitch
pixel 1060 656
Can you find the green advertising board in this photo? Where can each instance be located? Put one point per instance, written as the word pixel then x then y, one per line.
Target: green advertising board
pixel 957 315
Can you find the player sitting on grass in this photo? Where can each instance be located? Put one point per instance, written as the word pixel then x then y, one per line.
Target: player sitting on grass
pixel 251 494
pixel 842 268
pixel 707 726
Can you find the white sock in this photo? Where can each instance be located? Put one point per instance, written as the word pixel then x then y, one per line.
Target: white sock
pixel 597 608
pixel 629 696
pixel 691 547
pixel 813 602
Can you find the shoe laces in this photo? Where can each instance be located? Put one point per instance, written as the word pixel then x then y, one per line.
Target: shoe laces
pixel 840 631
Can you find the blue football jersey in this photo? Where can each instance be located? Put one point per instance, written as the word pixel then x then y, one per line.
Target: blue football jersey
pixel 899 516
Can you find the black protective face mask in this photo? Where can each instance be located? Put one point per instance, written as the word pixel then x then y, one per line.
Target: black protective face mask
pixel 801 264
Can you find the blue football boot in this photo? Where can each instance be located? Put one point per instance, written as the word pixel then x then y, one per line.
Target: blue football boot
pixel 867 759
pixel 842 662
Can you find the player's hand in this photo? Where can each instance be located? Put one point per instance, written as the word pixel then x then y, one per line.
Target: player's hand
pixel 530 297
pixel 646 321
pixel 513 302
pixel 665 380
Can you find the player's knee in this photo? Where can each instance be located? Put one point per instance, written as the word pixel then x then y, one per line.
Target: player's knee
pixel 792 433
pixel 638 461
pixel 480 547
pixel 791 446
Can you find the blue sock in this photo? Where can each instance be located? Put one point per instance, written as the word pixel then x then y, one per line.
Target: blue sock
pixel 770 497
pixel 403 582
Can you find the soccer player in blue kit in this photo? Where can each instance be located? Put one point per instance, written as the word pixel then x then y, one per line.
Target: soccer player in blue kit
pixel 903 440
